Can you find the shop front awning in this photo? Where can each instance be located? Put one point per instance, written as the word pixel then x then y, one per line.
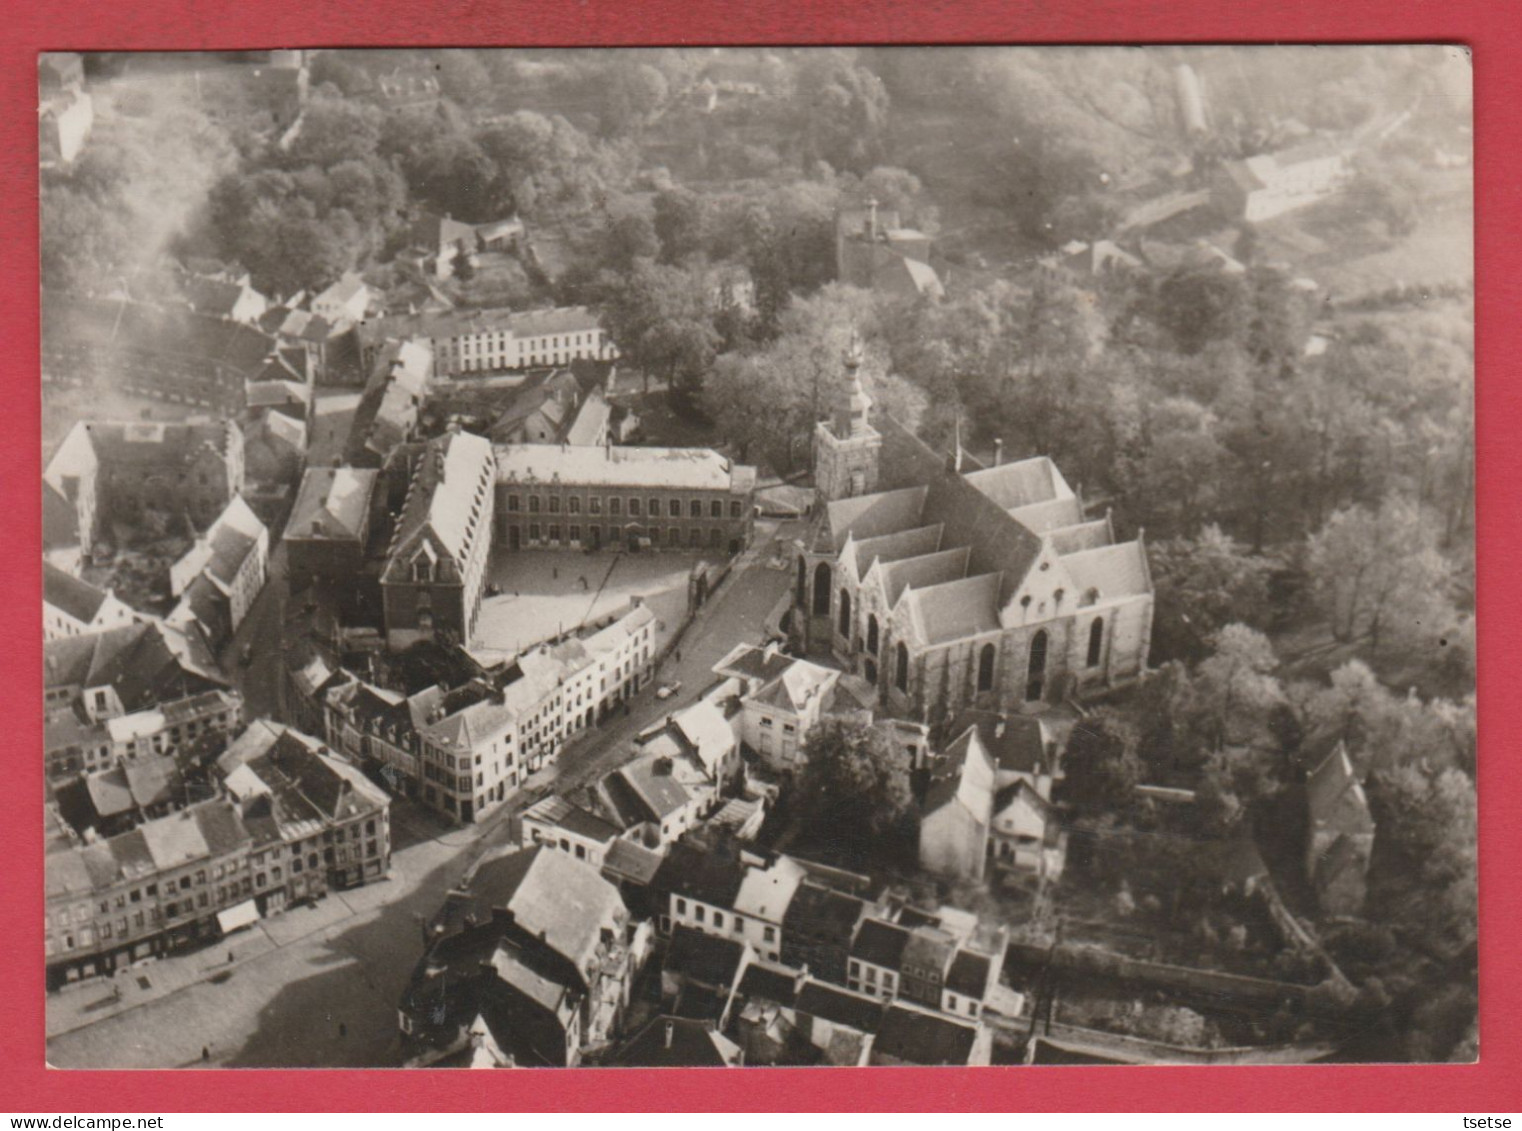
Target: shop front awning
pixel 245 914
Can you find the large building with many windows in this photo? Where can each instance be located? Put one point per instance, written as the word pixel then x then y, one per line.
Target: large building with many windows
pixel 948 587
pixel 436 566
pixel 494 341
pixel 571 497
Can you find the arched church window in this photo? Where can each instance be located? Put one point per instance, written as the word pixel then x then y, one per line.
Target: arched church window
pixel 1035 674
pixel 822 589
pixel 845 613
pixel 1096 641
pixel 986 668
pixel 872 634
pixel 901 675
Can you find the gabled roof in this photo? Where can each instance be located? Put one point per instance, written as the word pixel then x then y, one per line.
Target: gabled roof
pixel 766 892
pixel 626 860
pixel 551 896
pixel 969 974
pixel 749 662
pixel 917 1036
pixel 1115 571
pixel 820 911
pixel 797 687
pixel 880 943
pixel 678 1042
pixel 704 958
pixel 712 876
pixel 770 982
pixel 955 609
pixel 445 503
pixel 895 546
pixel 923 572
pixel 1336 797
pixel 1081 536
pixel 70 594
pixel 1016 743
pixel 332 504
pixel 232 538
pixel 840 1006
pixel 871 516
pixel 145 663
pixel 435 234
pixel 651 781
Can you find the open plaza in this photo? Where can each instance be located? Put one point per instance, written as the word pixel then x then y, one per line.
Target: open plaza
pixel 535 595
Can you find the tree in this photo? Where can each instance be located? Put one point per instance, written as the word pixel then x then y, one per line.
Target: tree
pixel 1377 576
pixel 1428 817
pixel 679 224
pixel 1202 584
pixel 628 235
pixel 659 317
pixel 1200 305
pixel 335 129
pixel 842 110
pixel 463 78
pixel 1100 765
pixel 1234 691
pixel 854 786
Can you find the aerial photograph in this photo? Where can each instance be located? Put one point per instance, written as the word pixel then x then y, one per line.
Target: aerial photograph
pixel 747 557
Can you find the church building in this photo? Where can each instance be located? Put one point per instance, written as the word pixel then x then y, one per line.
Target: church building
pixel 950 588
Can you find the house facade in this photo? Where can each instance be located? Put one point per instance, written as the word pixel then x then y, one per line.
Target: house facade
pixel 497 340
pixel 436 566
pixel 563 497
pixel 232 557
pixel 73 607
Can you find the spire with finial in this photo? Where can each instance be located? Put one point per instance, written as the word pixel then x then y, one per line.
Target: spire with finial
pixel 855 353
pixel 852 403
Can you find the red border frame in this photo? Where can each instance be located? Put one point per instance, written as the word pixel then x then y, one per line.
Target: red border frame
pixel 1490 27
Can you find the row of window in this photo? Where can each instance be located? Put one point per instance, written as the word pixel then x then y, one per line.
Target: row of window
pixel 502 337
pixel 616 504
pixel 573 532
pixel 699 915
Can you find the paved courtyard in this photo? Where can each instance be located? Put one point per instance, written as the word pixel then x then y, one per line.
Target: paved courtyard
pixel 546 592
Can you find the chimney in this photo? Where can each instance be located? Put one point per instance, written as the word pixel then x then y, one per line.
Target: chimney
pixel 872 219
pixel 998 451
pixel 670 1032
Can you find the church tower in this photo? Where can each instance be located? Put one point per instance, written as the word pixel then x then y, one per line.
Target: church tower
pixel 846 446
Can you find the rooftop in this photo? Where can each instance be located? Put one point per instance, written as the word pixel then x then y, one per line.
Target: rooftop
pixel 698 469
pixel 332 503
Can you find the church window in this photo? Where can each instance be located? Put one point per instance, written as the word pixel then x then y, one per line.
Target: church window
pixel 845 613
pixel 1035 677
pixel 986 668
pixel 803 581
pixel 901 675
pixel 822 589
pixel 1096 641
pixel 872 634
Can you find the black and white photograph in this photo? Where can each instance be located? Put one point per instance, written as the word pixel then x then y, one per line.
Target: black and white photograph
pixel 769 556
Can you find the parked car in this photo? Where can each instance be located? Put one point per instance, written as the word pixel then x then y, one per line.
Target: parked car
pixel 667 690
